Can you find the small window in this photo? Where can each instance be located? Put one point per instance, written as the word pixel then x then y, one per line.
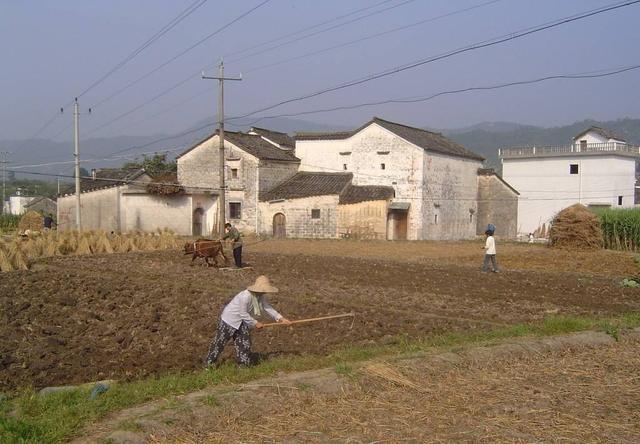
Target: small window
pixel 382 166
pixel 315 214
pixel 470 218
pixel 435 219
pixel 235 210
pixel 619 200
pixel 344 166
pixel 573 168
pixel 234 173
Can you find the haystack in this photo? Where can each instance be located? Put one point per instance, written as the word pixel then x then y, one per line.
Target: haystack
pixel 31 221
pixel 576 228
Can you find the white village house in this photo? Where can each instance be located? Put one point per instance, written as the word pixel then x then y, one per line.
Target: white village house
pixel 434 182
pixel 383 180
pixel 598 169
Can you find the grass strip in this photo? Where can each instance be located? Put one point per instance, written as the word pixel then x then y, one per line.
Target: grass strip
pixel 57 417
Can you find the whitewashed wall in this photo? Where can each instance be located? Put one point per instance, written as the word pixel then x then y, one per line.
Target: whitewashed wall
pixel 148 213
pixel 546 185
pixel 450 192
pixel 298 217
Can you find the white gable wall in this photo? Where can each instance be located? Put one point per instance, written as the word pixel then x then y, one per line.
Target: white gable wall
pixel 546 185
pixel 418 177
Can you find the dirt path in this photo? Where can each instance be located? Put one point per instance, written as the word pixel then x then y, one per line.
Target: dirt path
pixel 76 319
pixel 577 388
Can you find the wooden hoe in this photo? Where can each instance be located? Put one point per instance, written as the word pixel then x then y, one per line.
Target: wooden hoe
pixel 323 318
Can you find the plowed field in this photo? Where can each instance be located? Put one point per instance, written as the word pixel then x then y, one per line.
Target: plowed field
pixel 85 318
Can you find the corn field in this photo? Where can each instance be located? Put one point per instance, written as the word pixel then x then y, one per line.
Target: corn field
pixel 20 252
pixel 620 228
pixel 8 223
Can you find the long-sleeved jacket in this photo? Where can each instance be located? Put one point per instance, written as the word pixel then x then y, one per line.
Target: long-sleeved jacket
pixel 240 308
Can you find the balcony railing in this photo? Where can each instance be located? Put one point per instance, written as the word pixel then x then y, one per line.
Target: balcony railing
pixel 560 150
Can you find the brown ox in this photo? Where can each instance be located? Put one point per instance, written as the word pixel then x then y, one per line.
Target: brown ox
pixel 205 248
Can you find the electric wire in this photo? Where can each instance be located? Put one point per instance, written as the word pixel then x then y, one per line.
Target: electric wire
pixel 472 47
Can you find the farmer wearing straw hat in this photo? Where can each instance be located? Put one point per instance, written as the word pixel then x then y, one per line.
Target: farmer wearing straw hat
pixel 236 321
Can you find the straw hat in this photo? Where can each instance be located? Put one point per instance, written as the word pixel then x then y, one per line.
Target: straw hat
pixel 262 285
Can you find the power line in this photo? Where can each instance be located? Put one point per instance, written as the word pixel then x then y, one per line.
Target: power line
pixel 166 28
pixel 192 76
pixel 181 53
pixel 423 198
pixel 451 92
pixel 339 25
pixel 300 31
pixel 586 75
pixel 371 36
pixel 473 47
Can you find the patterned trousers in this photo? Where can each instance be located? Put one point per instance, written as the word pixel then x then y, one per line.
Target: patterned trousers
pixel 242 341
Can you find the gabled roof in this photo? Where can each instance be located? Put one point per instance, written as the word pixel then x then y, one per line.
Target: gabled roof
pixel 601 131
pixel 110 177
pixel 251 144
pixel 309 184
pixel 363 193
pixel 492 172
pixel 282 139
pixel 424 139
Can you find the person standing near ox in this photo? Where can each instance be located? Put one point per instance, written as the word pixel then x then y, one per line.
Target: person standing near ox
pixel 235 236
pixel 236 321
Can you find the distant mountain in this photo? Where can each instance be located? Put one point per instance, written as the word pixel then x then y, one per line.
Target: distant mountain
pixel 484 141
pixel 29 155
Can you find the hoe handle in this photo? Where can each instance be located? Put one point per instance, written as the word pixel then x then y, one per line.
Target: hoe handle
pixel 302 321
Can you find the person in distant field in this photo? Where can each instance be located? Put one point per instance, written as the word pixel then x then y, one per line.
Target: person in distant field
pixel 236 238
pixel 237 320
pixel 48 222
pixel 530 238
pixel 490 253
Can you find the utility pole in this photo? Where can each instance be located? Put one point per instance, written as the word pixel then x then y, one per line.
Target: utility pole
pixel 221 199
pixel 76 131
pixel 4 177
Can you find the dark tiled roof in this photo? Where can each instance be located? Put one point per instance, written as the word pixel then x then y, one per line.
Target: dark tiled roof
pixel 282 139
pixel 362 193
pixel 307 184
pixel 251 144
pixel 602 131
pixel 427 140
pixel 110 177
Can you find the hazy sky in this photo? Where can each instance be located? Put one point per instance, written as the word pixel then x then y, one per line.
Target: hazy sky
pixel 53 50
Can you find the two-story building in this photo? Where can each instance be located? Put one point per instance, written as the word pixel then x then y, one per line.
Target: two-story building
pixel 434 180
pixel 598 169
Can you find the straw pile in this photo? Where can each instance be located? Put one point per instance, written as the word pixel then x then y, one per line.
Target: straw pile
pixel 19 253
pixel 576 228
pixel 31 221
pixel 165 184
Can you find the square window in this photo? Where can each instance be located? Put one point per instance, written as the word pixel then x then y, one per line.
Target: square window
pixel 235 210
pixel 619 200
pixel 315 214
pixel 234 173
pixel 382 166
pixel 573 168
pixel 344 166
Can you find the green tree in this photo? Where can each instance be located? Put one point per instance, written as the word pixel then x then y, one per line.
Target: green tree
pixel 153 165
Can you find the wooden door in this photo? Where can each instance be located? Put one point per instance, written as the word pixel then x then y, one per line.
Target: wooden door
pixel 400 225
pixel 279 226
pixel 198 216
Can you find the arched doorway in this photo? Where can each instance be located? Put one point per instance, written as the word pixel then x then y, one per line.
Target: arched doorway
pixel 279 225
pixel 198 219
